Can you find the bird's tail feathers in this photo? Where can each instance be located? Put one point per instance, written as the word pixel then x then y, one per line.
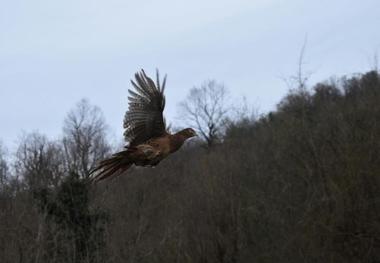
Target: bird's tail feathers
pixel 111 167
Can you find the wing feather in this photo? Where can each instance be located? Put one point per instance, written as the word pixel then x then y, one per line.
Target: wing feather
pixel 144 119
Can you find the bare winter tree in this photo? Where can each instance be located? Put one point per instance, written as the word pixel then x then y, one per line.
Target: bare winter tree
pixel 84 138
pixel 39 162
pixel 375 61
pixel 206 109
pixel 3 166
pixel 301 77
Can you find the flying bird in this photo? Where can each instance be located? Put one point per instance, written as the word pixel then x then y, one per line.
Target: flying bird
pixel 145 130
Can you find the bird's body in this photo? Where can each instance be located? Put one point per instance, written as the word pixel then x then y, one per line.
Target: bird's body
pixel 155 150
pixel 149 140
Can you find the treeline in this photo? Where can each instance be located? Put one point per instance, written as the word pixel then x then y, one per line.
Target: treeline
pixel 299 184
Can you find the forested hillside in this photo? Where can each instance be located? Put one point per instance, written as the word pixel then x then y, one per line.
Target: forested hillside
pixel 299 184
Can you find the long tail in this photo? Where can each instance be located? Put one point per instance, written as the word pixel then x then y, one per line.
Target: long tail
pixel 113 166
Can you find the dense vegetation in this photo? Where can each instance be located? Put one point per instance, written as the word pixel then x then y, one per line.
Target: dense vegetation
pixel 299 184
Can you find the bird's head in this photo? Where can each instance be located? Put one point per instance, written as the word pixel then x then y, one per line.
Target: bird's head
pixel 188 133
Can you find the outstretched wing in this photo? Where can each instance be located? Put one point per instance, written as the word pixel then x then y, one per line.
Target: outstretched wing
pixel 144 119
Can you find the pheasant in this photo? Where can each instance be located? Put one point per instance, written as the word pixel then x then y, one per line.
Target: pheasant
pixel 145 130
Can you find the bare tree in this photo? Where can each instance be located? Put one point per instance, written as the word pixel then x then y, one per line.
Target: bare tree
pixel 375 61
pixel 206 110
pixel 301 77
pixel 39 162
pixel 3 166
pixel 84 138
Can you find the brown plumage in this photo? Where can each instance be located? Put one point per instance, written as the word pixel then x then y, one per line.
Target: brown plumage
pixel 145 130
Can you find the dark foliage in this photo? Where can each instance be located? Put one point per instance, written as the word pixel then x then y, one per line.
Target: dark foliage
pixel 66 212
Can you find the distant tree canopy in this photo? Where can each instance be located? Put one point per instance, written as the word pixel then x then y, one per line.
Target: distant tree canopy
pixel 299 184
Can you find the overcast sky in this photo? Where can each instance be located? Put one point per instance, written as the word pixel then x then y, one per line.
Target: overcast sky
pixel 53 53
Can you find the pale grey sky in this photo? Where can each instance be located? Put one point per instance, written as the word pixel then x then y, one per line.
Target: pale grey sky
pixel 53 53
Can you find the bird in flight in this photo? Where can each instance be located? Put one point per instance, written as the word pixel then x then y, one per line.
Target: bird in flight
pixel 145 130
